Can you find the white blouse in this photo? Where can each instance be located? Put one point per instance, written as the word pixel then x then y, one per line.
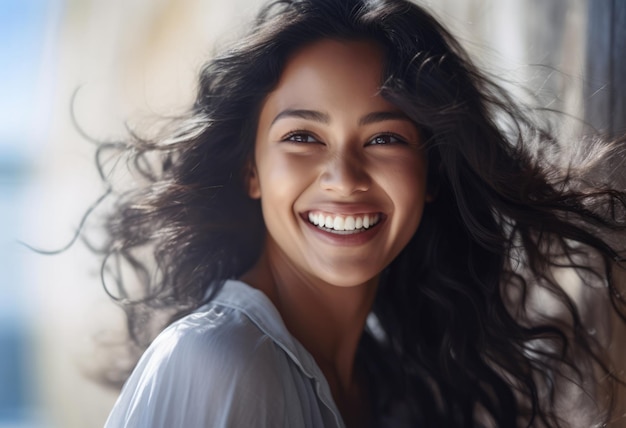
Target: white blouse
pixel 231 363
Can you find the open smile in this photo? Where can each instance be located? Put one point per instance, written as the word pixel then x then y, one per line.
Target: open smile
pixel 341 224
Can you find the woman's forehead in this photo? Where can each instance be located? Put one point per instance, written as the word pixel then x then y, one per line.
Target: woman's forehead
pixel 331 73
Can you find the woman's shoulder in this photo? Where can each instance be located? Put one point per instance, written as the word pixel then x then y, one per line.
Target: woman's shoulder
pixel 239 322
pixel 220 341
pixel 201 369
pixel 210 331
pixel 201 338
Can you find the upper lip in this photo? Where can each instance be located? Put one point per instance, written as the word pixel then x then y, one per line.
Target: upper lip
pixel 344 209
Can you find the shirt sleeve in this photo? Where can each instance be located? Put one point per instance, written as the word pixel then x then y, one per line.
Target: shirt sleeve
pixel 205 373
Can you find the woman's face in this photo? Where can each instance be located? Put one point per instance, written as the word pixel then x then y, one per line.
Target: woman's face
pixel 340 171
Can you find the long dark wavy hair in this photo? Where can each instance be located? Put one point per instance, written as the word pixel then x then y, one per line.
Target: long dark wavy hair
pixel 457 340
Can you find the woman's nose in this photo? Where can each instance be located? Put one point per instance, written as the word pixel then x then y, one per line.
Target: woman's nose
pixel 345 174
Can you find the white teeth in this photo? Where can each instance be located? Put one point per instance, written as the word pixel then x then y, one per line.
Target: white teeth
pixel 339 223
pixel 349 224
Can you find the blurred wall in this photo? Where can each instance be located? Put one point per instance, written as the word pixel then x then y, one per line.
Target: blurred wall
pixel 135 59
pixel 104 62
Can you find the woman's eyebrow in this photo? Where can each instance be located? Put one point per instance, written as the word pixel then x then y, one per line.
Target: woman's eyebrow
pixel 313 115
pixel 318 116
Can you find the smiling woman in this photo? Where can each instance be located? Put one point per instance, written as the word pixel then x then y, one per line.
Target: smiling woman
pixel 329 145
pixel 351 228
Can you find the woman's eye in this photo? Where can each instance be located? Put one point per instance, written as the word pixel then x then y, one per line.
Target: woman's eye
pixel 300 137
pixel 386 139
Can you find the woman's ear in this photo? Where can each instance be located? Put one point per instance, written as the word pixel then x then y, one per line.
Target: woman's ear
pixel 252 181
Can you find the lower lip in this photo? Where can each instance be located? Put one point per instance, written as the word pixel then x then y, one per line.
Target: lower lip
pixel 351 239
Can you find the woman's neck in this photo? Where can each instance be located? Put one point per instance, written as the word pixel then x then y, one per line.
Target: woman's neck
pixel 327 320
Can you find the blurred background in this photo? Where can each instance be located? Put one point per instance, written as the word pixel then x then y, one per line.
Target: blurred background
pixel 111 61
